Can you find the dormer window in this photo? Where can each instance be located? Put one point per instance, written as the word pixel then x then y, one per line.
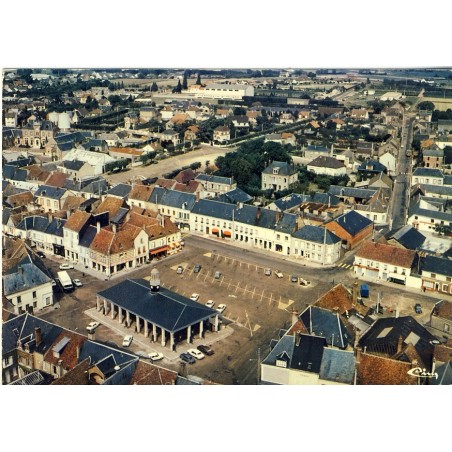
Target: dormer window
pixel 276 170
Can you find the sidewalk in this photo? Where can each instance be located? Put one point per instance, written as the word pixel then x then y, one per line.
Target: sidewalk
pixel 147 345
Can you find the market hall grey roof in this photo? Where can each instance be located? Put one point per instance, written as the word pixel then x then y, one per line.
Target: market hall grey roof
pixel 166 309
pixel 316 234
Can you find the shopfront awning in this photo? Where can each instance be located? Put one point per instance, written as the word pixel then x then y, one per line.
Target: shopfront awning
pixel 160 250
pixel 227 233
pixel 215 231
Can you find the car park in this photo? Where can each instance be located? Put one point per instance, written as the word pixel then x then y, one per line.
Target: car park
pixel 221 308
pixel 418 308
pixel 77 282
pixel 66 266
pixel 180 270
pixel 206 350
pixel 195 353
pixel 197 268
pixel 127 340
pixel 194 296
pixel 187 358
pixel 210 303
pixel 92 326
pixel 268 272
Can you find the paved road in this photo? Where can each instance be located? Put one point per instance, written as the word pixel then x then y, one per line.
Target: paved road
pixel 203 154
pixel 400 195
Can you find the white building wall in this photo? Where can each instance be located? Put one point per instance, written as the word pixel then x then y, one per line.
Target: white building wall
pixel 43 298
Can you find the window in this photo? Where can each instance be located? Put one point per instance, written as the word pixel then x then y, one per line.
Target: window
pixel 433 275
pixel 34 294
pixel 446 327
pixel 448 279
pixel 19 299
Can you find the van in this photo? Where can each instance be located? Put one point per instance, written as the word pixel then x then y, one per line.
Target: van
pixel 217 275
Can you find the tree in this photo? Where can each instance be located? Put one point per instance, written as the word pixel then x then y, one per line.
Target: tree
pixel 426 106
pixel 448 155
pixel 154 87
pixel 185 82
pixel 195 165
pixel 239 111
pixel 198 80
pixel 178 88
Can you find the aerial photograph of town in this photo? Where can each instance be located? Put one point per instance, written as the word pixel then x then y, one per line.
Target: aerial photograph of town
pixel 183 226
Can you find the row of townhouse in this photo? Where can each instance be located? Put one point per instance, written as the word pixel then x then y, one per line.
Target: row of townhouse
pixel 379 261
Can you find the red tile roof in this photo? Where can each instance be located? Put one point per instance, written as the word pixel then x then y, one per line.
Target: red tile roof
pixel 387 254
pixel 378 370
pixel 77 220
pixel 339 299
pixel 140 192
pixel 111 205
pixel 69 353
pixel 57 180
pixel 149 374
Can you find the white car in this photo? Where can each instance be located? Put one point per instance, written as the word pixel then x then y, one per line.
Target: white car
pixel 77 283
pixel 127 340
pixel 155 356
pixel 194 296
pixel 66 267
pixel 210 303
pixel 221 308
pixel 92 326
pixel 196 353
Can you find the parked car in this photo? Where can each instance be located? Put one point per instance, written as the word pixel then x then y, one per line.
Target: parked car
pixel 418 308
pixel 217 275
pixel 77 282
pixel 221 308
pixel 180 270
pixel 206 350
pixel 195 353
pixel 66 267
pixel 278 274
pixel 268 272
pixel 127 340
pixel 154 356
pixel 197 268
pixel 41 254
pixel 187 358
pixel 194 296
pixel 210 303
pixel 92 326
pixel 294 278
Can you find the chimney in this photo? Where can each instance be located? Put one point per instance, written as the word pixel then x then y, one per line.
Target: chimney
pixel 98 227
pixel 20 270
pixel 197 196
pixel 258 214
pixel 113 226
pixel 183 369
pixel 38 336
pixel 399 344
pixel 355 292
pixel 294 316
pixel 78 351
pixel 50 216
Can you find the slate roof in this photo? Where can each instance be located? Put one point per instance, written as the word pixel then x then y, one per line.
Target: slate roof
pixel 121 190
pixel 387 254
pixel 215 179
pixel 433 153
pixel 444 372
pixel 326 199
pixel 338 366
pixel 375 166
pixel 437 265
pixel 34 223
pixel 323 161
pixel 74 165
pixel 327 324
pixel 352 222
pixel 409 237
pixel 234 196
pixel 316 234
pixel 428 172
pixel 55 227
pixel 98 352
pixel 437 189
pixel 435 214
pixel 364 193
pixel 48 191
pixel 383 337
pixel 307 355
pixel 172 198
pixel 88 236
pixel 291 201
pixel 285 169
pixel 31 276
pixel 166 309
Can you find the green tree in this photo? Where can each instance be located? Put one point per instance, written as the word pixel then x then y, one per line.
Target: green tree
pixel 154 87
pixel 448 155
pixel 426 106
pixel 185 82
pixel 198 80
pixel 178 88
